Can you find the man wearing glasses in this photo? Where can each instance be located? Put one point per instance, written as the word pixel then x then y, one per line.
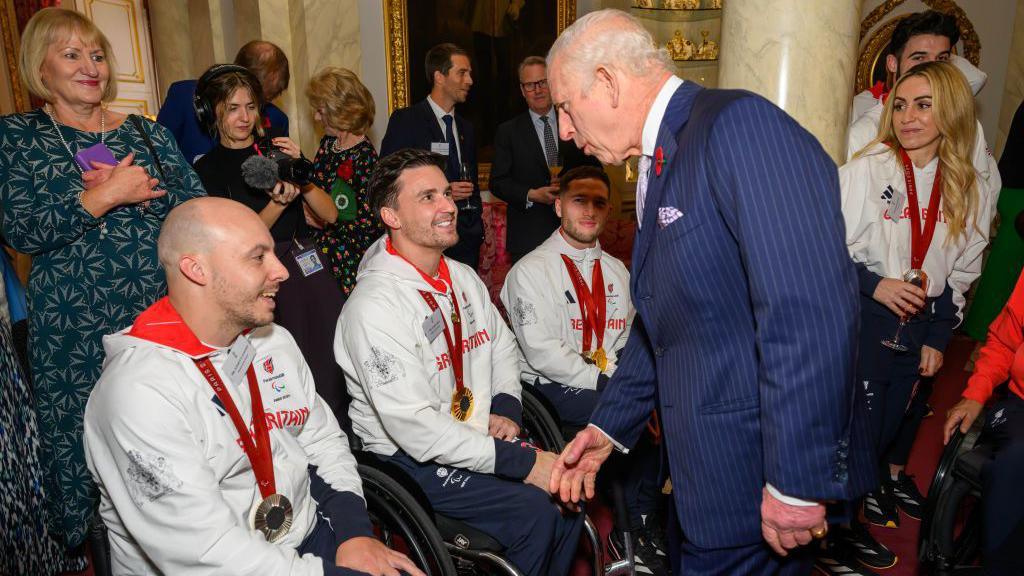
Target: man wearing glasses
pixel 527 159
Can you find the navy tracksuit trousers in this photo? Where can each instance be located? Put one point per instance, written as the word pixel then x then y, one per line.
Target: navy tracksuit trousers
pixel 539 538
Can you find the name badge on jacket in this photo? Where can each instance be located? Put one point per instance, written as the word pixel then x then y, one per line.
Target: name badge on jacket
pixel 439 148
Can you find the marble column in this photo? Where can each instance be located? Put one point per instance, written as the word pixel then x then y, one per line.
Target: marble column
pixel 800 55
pixel 169 25
pixel 314 34
pixel 1013 91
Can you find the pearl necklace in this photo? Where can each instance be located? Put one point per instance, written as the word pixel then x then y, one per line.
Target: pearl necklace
pixel 103 131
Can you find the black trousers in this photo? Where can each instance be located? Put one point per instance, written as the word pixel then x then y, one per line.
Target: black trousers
pixel 1003 480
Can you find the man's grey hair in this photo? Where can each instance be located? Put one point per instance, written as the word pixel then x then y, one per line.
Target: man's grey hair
pixel 624 44
pixel 532 61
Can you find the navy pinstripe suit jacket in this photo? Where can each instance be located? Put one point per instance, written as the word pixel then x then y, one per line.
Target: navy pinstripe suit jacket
pixel 747 304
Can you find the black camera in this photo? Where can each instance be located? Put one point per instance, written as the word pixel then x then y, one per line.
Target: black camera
pixel 297 171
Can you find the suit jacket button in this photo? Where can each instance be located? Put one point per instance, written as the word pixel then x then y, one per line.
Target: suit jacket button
pixel 659 351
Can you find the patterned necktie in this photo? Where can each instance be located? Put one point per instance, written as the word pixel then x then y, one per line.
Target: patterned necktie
pixel 454 167
pixel 550 146
pixel 642 178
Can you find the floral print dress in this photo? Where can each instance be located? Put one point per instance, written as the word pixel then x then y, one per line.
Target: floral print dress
pixel 345 175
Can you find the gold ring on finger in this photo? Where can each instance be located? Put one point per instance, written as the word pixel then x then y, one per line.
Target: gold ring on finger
pixel 819 532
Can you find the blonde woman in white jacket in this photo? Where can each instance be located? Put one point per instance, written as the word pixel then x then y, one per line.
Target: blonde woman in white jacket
pixel 911 200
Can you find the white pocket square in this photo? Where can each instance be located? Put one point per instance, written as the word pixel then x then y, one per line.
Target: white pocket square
pixel 668 215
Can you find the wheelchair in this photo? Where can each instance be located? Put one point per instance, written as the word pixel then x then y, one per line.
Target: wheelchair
pixel 950 538
pixel 441 545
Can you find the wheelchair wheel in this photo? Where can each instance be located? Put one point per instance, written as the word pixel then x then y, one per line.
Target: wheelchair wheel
pixel 951 528
pixel 540 427
pixel 402 523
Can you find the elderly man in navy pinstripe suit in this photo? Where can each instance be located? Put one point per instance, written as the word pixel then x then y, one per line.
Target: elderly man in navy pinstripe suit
pixel 746 300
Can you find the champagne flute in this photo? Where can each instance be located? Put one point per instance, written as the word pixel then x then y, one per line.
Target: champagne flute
pixel 918 278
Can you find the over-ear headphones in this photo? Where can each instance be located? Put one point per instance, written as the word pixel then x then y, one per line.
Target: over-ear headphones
pixel 205 112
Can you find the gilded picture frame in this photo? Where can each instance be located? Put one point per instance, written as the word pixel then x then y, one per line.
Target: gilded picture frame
pixel 495 95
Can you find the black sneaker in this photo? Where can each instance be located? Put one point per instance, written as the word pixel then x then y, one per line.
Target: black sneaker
pixel 645 557
pixel 907 496
pixel 836 558
pixel 880 507
pixel 863 547
pixel 654 532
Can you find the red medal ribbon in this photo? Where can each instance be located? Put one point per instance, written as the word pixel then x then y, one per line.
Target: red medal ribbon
pixel 260 456
pixel 920 240
pixel 592 301
pixel 454 344
pixel 443 283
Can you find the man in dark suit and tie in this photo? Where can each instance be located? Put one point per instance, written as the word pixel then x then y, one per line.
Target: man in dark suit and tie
pixel 525 150
pixel 432 124
pixel 746 300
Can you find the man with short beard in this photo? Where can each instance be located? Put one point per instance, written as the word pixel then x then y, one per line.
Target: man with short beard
pixel 431 369
pixel 192 483
pixel 568 302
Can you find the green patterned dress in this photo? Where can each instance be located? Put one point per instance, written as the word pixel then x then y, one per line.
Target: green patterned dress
pixel 90 277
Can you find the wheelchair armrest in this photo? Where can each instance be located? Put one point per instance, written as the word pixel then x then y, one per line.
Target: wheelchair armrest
pixel 465 536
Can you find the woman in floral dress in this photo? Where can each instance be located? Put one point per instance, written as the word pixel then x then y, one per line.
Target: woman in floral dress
pixel 344 163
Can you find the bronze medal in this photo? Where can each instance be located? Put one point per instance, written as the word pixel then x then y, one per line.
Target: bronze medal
pixel 462 404
pixel 273 517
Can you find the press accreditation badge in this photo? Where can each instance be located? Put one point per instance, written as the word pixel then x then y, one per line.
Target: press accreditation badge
pixel 309 262
pixel 239 358
pixel 439 148
pixel 433 325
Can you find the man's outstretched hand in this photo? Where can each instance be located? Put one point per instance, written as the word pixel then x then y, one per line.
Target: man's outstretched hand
pixel 575 472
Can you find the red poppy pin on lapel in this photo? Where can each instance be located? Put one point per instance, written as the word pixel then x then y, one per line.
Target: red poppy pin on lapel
pixel 659 160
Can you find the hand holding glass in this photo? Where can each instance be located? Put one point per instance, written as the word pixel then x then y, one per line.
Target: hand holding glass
pixel 918 278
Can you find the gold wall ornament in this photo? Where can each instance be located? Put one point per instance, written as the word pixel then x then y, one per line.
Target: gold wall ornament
pixel 12 43
pixel 874 48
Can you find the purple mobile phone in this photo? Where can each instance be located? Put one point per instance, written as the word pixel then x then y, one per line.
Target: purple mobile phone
pixel 96 153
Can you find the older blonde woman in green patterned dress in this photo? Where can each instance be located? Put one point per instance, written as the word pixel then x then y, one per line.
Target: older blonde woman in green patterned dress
pixel 92 234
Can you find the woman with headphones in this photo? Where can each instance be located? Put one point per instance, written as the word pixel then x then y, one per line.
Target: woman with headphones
pixel 244 165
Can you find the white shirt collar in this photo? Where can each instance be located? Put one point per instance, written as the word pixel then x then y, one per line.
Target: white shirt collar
pixel 552 118
pixel 652 125
pixel 438 111
pixel 562 246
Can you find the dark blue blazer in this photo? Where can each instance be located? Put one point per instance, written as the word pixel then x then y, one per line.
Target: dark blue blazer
pixel 417 127
pixel 178 116
pixel 747 314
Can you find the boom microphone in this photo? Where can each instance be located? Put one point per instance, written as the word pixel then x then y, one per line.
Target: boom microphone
pixel 259 172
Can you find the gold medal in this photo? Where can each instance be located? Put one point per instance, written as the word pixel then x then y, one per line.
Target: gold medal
pixel 462 404
pixel 273 517
pixel 600 358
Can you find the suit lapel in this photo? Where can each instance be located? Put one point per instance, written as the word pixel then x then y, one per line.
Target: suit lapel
pixel 676 116
pixel 427 115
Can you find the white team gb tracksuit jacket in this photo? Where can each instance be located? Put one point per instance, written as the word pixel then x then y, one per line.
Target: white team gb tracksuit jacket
pixel 867 114
pixel 545 314
pixel 399 370
pixel 872 186
pixel 176 487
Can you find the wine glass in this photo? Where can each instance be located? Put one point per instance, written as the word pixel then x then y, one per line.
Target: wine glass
pixel 918 278
pixel 465 175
